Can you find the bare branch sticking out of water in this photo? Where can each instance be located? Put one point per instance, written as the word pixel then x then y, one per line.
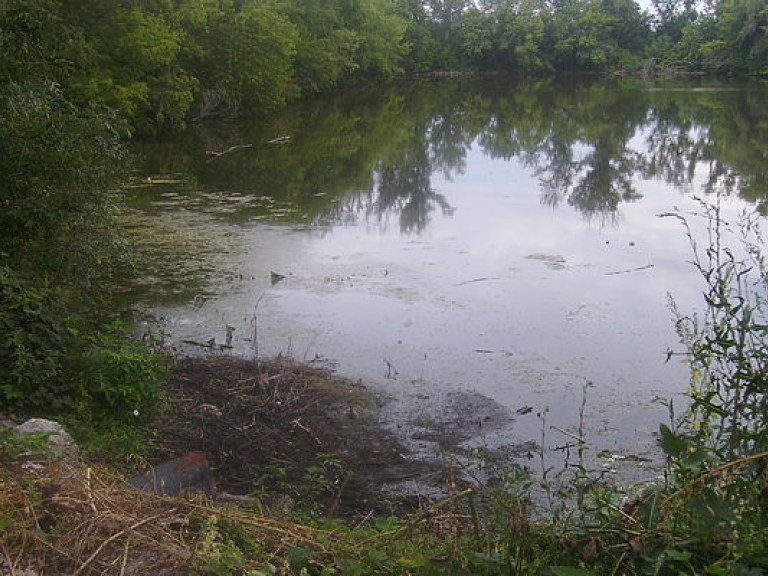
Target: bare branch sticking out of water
pixel 391 370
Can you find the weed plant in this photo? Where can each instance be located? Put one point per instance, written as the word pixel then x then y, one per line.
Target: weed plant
pixel 717 449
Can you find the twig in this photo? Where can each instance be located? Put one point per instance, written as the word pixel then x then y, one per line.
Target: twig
pixel 89 490
pixel 570 434
pixel 124 563
pixel 629 270
pixel 227 497
pixel 483 279
pixel 111 539
pixel 298 423
pixel 337 497
pixel 11 565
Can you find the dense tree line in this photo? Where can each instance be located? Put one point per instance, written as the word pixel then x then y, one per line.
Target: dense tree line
pixel 164 62
pixel 535 36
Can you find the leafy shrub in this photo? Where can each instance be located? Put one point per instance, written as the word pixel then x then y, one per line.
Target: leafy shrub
pixel 54 365
pixel 726 344
pixel 117 378
pixel 32 347
pixel 58 162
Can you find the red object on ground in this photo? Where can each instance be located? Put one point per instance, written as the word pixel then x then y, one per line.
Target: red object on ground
pixel 191 471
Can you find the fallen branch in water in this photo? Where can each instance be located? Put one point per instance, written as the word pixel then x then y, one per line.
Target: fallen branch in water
pixel 208 344
pixel 483 279
pixel 211 155
pixel 570 434
pixel 629 270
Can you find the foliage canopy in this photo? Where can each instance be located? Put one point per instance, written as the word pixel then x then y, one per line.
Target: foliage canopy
pixel 163 63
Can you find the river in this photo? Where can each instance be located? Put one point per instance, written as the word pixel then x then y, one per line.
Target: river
pixel 488 255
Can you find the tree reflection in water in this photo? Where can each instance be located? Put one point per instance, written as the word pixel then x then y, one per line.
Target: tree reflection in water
pixel 373 154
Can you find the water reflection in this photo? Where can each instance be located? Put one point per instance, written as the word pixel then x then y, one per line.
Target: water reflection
pixel 474 234
pixel 373 155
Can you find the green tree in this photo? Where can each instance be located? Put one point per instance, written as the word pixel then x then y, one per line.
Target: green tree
pixel 523 35
pixel 598 35
pixel 478 40
pixel 254 50
pixel 581 32
pixel 381 32
pixel 422 48
pixel 443 28
pixel 630 31
pixel 136 66
pixel 448 14
pixel 142 51
pixel 58 161
pixel 37 42
pixel 58 158
pixel 326 47
pixel 741 43
pixel 679 33
pixel 240 53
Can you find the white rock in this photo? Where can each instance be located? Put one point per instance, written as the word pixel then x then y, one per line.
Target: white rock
pixel 59 443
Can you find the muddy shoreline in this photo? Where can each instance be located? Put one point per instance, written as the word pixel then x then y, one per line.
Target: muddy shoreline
pixel 294 437
pixel 297 436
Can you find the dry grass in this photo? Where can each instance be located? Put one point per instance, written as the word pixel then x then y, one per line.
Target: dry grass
pixel 72 519
pixel 67 518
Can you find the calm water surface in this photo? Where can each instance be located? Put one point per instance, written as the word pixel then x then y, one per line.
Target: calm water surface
pixel 470 248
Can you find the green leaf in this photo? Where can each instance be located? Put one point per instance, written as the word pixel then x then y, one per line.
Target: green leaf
pixel 412 561
pixel 672 444
pixel 298 558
